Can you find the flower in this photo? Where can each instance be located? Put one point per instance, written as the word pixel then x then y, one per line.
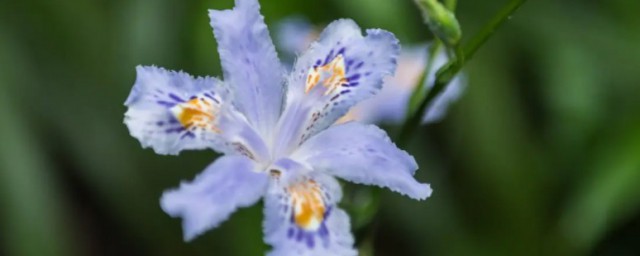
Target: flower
pixel 276 132
pixel 294 34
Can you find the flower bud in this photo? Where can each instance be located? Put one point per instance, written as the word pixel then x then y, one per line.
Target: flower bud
pixel 441 21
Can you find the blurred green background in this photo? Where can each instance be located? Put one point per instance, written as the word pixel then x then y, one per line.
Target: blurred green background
pixel 541 156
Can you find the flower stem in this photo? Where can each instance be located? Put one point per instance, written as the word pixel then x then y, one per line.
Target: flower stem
pixel 449 70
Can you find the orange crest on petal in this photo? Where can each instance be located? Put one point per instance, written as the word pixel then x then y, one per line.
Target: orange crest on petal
pixel 197 112
pixel 308 204
pixel 332 76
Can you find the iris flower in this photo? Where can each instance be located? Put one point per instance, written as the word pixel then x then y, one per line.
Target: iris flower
pixel 294 34
pixel 276 131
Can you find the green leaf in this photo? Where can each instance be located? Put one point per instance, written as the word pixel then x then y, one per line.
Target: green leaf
pixel 30 198
pixel 608 194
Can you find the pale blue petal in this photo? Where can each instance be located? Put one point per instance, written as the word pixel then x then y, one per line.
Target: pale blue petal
pixel 363 154
pixel 312 107
pixel 229 183
pixel 239 137
pixel 390 105
pixel 293 35
pixel 149 116
pixel 250 63
pixel 387 107
pixel 332 236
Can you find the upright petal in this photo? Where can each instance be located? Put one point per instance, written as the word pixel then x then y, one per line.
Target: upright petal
pixel 170 111
pixel 302 217
pixel 250 63
pixel 227 184
pixel 363 154
pixel 338 71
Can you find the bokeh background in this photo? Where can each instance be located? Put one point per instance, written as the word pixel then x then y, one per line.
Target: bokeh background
pixel 541 156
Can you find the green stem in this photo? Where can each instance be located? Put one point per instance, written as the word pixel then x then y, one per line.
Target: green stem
pixel 449 70
pixel 419 92
pixel 504 14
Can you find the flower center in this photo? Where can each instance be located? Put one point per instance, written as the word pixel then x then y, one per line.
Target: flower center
pixel 308 204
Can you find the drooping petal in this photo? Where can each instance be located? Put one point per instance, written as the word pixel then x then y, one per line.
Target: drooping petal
pixel 250 63
pixel 226 185
pixel 171 111
pixel 302 217
pixel 335 73
pixel 363 154
pixel 451 94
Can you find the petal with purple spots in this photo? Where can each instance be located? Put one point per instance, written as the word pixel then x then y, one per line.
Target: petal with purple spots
pixel 169 112
pixel 341 69
pixel 301 216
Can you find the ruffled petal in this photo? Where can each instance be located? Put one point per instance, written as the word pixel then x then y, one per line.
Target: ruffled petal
pixel 250 63
pixel 171 111
pixel 363 154
pixel 302 217
pixel 340 70
pixel 226 185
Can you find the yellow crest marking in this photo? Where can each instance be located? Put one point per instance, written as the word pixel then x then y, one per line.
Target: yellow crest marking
pixel 308 204
pixel 198 112
pixel 332 74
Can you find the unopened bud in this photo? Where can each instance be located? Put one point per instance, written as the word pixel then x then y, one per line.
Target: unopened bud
pixel 441 21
